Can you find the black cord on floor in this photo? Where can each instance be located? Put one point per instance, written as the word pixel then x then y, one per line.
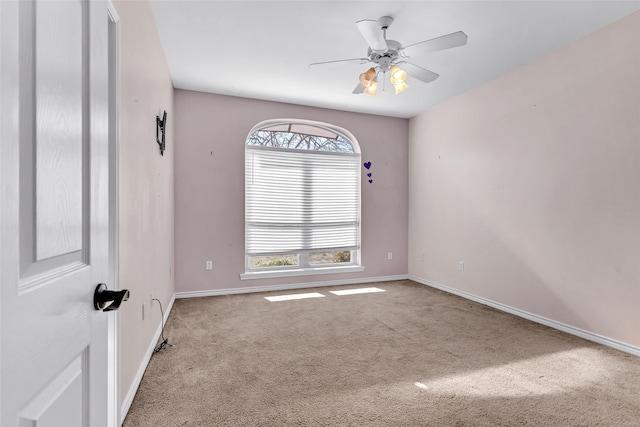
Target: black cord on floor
pixel 165 341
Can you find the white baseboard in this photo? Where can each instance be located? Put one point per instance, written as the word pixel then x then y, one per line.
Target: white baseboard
pixel 231 291
pixel 535 318
pixel 128 400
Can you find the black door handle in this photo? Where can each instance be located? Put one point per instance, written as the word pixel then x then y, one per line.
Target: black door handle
pixel 102 296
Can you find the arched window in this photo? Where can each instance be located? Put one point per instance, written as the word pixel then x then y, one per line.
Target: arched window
pixel 302 197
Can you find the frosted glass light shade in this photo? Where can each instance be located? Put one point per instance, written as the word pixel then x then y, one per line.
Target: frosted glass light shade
pixel 397 74
pixel 401 86
pixel 366 78
pixel 372 89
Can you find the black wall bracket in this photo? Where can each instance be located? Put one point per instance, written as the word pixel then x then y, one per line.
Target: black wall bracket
pixel 161 126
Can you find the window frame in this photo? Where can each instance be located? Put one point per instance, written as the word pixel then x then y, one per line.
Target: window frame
pixel 303 266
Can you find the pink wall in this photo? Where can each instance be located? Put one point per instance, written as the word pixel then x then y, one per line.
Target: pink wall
pixel 210 135
pixel 533 180
pixel 146 185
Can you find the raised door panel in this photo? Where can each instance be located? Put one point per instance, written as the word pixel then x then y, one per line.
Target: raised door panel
pixel 59 138
pixel 54 140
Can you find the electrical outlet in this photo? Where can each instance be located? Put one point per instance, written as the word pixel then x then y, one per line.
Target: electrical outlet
pixel 461 265
pixel 390 255
pixel 209 265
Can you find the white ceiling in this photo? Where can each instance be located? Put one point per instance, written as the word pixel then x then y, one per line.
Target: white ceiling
pixel 262 49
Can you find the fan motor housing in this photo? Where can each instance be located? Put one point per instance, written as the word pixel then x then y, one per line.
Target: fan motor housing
pixel 388 57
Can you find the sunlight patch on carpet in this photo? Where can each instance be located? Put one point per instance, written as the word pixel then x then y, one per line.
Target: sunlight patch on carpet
pixel 294 296
pixel 550 374
pixel 357 291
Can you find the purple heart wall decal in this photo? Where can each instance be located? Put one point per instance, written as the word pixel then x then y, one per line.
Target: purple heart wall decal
pixel 369 174
pixel 370 181
pixel 367 164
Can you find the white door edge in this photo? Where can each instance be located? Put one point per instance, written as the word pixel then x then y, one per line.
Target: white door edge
pixel 113 393
pixel 1 222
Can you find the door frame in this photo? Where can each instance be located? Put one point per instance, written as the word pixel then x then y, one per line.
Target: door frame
pixel 113 391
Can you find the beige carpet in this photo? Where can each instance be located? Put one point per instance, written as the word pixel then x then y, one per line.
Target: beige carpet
pixel 409 356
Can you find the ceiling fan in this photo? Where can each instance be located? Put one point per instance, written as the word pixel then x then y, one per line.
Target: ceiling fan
pixel 389 56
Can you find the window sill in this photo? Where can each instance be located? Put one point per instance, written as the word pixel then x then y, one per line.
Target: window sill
pixel 300 272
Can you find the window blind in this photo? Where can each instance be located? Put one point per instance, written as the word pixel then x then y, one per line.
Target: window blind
pixel 300 200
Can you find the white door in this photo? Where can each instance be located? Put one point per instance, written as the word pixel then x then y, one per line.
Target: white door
pixel 54 212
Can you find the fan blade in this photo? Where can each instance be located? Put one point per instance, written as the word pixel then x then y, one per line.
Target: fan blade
pixel 419 73
pixel 358 90
pixel 448 41
pixel 359 60
pixel 372 33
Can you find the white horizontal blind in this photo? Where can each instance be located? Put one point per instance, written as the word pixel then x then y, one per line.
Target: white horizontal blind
pixel 299 200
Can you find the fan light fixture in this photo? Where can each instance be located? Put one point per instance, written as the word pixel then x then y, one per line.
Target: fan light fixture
pixel 372 88
pixel 369 80
pixel 398 77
